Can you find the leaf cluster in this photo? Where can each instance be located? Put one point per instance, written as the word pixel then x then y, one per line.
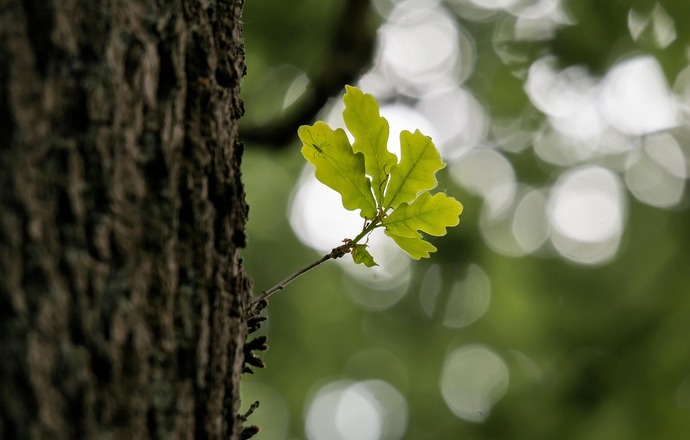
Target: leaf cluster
pixel 389 193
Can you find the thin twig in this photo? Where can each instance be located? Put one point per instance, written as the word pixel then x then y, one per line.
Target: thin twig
pixel 334 254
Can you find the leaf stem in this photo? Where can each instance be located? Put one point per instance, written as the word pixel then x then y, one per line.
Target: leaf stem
pixel 335 253
pixel 373 225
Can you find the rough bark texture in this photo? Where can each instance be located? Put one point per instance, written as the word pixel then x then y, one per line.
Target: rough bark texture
pixel 122 293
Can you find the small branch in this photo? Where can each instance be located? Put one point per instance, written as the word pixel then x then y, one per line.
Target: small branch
pixel 334 254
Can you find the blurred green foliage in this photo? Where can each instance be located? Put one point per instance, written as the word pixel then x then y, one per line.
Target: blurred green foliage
pixel 593 351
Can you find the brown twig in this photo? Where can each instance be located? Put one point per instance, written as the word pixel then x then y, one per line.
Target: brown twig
pixel 260 301
pixel 334 254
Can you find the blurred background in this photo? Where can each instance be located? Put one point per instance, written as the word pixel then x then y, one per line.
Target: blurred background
pixel 560 307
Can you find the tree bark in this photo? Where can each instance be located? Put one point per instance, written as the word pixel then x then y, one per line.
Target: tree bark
pixel 122 213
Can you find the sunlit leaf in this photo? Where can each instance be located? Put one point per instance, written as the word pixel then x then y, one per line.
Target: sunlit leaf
pixel 416 171
pixel 370 131
pixel 389 193
pixel 429 214
pixel 337 166
pixel 361 255
pixel 416 247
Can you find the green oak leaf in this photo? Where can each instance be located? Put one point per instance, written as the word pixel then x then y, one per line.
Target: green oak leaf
pixel 416 247
pixel 337 166
pixel 427 213
pixel 361 255
pixel 370 131
pixel 391 194
pixel 416 171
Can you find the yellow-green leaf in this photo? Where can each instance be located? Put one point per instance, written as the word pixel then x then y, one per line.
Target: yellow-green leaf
pixel 416 171
pixel 429 214
pixel 361 255
pixel 370 131
pixel 337 166
pixel 416 247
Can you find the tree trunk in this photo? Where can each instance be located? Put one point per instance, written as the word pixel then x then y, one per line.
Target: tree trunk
pixel 122 293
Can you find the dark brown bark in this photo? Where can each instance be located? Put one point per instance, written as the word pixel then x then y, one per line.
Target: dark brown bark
pixel 122 293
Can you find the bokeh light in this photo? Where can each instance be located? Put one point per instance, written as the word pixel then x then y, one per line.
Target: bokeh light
pixel 587 212
pixel 567 140
pixel 319 220
pixel 420 50
pixel 474 378
pixel 655 28
pixel 367 410
pixel 317 215
pixel 468 299
pixel 432 283
pixel 487 173
pixel 636 98
pixel 459 120
pixel 493 4
pixel 530 225
pixel 658 172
